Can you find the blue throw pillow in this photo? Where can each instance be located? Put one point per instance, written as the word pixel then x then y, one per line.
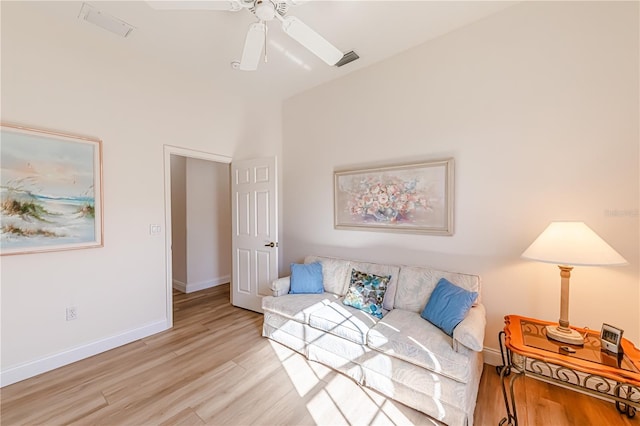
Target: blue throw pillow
pixel 306 279
pixel 448 305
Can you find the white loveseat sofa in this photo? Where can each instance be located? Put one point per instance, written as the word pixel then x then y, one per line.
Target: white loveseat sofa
pixel 402 355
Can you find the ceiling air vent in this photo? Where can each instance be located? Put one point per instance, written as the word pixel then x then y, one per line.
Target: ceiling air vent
pixel 104 20
pixel 348 57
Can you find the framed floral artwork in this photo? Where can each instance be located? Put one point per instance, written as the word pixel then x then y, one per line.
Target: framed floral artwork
pixel 50 191
pixel 415 198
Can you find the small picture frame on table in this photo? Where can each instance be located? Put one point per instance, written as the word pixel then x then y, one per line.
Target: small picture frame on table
pixel 611 338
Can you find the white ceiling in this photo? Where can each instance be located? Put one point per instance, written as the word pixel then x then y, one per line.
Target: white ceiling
pixel 206 42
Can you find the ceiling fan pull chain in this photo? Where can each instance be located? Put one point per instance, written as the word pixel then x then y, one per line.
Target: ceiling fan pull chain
pixel 265 42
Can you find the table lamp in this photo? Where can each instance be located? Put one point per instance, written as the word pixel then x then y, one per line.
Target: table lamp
pixel 569 244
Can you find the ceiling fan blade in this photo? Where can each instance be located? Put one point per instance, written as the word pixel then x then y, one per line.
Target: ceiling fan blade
pixel 253 45
pixel 229 5
pixel 314 42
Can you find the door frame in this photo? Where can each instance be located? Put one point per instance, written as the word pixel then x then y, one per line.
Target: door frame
pixel 189 153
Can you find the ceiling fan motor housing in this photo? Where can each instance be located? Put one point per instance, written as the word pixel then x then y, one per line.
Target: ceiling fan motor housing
pixel 264 10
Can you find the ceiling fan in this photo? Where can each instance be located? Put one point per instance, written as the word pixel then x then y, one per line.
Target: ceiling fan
pixel 265 11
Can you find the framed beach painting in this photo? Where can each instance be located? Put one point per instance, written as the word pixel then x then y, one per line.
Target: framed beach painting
pixel 415 198
pixel 50 191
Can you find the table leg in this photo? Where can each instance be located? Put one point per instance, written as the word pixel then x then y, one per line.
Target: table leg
pixel 509 397
pixel 627 409
pixel 505 354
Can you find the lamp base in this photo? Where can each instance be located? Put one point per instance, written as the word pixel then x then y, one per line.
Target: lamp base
pixel 567 335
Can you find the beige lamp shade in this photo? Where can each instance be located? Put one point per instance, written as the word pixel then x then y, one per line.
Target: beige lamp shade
pixel 572 243
pixel 568 244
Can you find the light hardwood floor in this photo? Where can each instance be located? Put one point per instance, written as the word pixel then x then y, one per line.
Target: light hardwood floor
pixel 214 367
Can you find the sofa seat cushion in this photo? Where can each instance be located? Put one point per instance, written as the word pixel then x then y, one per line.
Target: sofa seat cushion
pixel 406 336
pixel 342 348
pixel 343 321
pixel 297 307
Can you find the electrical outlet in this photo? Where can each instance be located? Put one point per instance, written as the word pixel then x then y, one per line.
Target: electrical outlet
pixel 72 313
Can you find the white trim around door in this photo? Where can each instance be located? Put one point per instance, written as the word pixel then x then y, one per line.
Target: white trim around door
pixel 184 152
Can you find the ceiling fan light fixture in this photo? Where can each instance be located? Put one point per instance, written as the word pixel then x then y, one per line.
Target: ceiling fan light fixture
pixel 265 10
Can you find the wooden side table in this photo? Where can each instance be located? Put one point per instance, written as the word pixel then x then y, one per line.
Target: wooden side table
pixel 526 350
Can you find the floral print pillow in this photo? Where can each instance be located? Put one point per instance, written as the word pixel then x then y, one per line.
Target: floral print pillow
pixel 366 292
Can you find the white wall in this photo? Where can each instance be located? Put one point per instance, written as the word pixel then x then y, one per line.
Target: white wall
pixel 79 79
pixel 539 107
pixel 200 223
pixel 208 224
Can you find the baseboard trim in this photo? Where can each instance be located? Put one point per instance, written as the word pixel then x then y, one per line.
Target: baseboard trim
pixel 191 287
pixel 180 286
pixel 492 356
pixel 51 362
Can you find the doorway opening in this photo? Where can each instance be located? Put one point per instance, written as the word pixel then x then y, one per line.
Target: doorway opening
pixel 197 221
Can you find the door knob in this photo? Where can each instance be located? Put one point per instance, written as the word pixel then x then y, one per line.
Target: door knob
pixel 271 244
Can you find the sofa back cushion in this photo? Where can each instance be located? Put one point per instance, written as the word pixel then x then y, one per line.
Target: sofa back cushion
pixel 415 285
pixel 336 273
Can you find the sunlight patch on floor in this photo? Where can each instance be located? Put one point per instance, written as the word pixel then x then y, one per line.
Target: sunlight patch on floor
pixel 362 406
pixel 281 351
pixel 302 376
pixel 324 410
pixel 338 400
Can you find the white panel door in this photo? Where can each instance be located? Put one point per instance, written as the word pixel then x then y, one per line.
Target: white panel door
pixel 255 231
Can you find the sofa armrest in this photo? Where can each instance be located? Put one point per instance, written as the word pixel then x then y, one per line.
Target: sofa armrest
pixel 281 286
pixel 470 331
